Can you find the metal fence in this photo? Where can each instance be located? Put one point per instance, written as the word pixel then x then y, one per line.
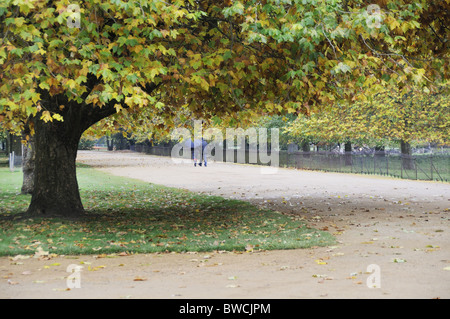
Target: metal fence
pixel 419 167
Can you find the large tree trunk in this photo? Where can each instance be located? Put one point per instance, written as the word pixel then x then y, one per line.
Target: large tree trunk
pixel 56 190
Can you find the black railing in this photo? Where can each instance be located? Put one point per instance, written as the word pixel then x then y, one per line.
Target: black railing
pixel 419 167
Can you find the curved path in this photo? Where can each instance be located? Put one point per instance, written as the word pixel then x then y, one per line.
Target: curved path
pixel 391 230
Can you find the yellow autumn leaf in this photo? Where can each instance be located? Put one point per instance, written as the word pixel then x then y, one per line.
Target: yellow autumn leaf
pixel 46 117
pixel 320 262
pixel 393 24
pixel 58 117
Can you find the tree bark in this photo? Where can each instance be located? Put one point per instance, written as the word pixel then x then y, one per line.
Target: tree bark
pixel 348 153
pixel 380 151
pixel 28 159
pixel 56 191
pixel 110 143
pixel 306 149
pixel 407 159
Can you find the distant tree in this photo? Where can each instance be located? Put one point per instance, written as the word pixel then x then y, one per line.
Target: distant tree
pixel 390 115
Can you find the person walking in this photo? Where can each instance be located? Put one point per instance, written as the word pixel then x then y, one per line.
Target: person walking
pixel 198 152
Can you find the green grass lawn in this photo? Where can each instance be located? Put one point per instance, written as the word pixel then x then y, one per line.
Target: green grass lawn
pixel 136 217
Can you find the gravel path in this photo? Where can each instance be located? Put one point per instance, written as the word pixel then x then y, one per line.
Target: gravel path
pixel 391 230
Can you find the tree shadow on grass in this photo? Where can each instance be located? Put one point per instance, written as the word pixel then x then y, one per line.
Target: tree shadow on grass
pixel 163 221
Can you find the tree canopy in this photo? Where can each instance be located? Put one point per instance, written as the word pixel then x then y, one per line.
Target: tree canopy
pixel 66 65
pixel 213 58
pixel 389 115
